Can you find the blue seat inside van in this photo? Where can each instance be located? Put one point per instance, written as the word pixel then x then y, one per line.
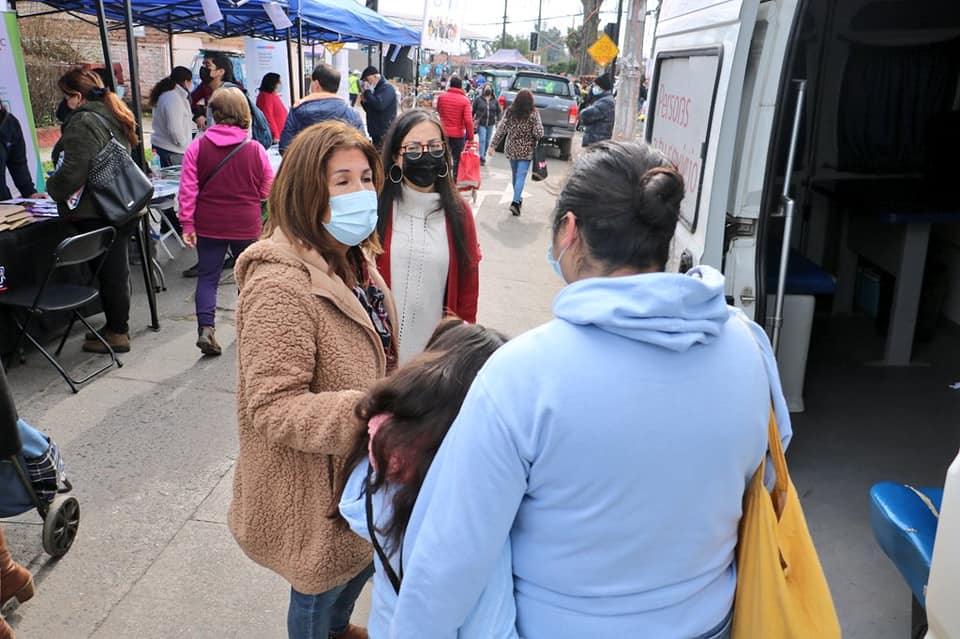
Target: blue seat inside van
pixel 804 277
pixel 905 527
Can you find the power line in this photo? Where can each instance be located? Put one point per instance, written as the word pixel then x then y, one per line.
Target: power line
pixel 500 22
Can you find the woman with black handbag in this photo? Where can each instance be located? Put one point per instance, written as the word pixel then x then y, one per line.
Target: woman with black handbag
pixel 97 115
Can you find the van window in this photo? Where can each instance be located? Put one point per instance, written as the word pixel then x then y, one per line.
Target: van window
pixel 681 110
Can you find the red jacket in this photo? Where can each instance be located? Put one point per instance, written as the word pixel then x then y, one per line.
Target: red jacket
pixel 456 114
pixel 274 111
pixel 463 284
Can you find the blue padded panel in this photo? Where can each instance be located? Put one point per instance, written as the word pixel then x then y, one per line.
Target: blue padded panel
pixel 905 529
pixel 804 277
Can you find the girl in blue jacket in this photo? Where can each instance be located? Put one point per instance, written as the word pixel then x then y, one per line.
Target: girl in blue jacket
pixel 408 415
pixel 609 448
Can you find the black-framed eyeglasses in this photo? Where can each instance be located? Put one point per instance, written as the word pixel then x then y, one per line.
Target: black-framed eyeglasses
pixel 415 150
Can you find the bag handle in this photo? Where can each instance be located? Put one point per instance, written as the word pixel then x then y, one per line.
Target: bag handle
pixel 782 475
pixel 774 446
pixel 387 568
pixel 106 123
pixel 219 166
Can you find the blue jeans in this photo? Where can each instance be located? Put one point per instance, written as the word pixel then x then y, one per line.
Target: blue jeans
pixel 519 168
pixel 168 158
pixel 722 630
pixel 327 614
pixel 485 133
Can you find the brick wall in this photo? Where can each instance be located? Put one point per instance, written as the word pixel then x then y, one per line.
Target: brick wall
pixel 153 58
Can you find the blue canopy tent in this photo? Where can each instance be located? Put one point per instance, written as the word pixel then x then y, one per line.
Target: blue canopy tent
pixel 323 20
pixel 352 21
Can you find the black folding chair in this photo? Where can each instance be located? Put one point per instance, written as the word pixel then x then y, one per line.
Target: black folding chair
pixel 34 301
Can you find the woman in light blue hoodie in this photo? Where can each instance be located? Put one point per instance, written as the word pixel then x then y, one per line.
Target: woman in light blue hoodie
pixel 407 415
pixel 610 447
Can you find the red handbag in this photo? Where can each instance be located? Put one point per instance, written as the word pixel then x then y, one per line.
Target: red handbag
pixel 468 175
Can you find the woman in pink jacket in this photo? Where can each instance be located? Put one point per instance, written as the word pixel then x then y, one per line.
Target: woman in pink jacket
pixel 222 185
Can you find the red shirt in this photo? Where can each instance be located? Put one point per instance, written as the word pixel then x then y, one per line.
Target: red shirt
pixel 456 113
pixel 463 284
pixel 274 111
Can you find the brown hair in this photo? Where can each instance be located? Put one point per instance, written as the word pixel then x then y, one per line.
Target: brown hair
pixel 523 105
pixel 229 106
pixel 89 85
pixel 300 196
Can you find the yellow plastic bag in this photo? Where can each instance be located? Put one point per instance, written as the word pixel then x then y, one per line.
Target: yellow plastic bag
pixel 781 590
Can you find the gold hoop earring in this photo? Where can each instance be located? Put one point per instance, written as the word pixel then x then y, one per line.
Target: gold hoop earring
pixel 390 174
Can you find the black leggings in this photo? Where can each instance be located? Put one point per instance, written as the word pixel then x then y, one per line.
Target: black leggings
pixel 114 275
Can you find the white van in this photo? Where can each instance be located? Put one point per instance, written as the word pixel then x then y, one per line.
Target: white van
pixel 827 126
pixel 823 135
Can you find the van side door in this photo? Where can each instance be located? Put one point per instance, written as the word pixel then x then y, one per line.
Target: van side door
pixel 699 60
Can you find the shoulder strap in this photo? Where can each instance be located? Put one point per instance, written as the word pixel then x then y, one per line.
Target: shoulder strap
pixel 774 446
pixel 106 123
pixel 219 166
pixel 387 568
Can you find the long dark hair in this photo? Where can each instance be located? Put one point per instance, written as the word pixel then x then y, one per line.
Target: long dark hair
pixel 179 75
pixel 454 208
pixel 89 85
pixel 269 82
pixel 422 399
pixel 634 222
pixel 522 106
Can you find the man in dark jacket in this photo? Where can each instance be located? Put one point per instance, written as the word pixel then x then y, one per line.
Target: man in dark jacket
pixel 13 157
pixel 597 119
pixel 379 100
pixel 320 105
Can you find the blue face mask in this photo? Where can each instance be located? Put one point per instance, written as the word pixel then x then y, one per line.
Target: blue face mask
pixel 353 217
pixel 555 262
pixel 597 90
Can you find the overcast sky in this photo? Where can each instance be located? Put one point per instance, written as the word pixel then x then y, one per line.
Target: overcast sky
pixel 487 15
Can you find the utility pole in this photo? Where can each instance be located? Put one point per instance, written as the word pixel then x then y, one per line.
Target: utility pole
pixel 613 63
pixel 539 35
pixel 503 39
pixel 625 122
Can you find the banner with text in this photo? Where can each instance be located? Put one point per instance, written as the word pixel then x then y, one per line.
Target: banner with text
pixel 681 110
pixel 263 57
pixel 442 21
pixel 16 97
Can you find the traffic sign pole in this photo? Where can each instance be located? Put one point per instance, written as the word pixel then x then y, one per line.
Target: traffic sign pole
pixel 625 118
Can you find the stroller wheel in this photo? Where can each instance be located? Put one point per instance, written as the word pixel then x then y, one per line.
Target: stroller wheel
pixel 60 525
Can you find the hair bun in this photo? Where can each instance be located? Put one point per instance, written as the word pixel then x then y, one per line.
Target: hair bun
pixel 664 183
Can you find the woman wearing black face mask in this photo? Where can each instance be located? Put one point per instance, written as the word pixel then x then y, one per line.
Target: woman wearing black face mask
pixel 430 253
pixel 486 114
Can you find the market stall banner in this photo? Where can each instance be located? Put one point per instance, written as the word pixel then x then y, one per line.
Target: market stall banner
pixel 263 57
pixel 442 21
pixel 16 97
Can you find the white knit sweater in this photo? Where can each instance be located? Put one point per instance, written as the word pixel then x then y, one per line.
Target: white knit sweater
pixel 419 260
